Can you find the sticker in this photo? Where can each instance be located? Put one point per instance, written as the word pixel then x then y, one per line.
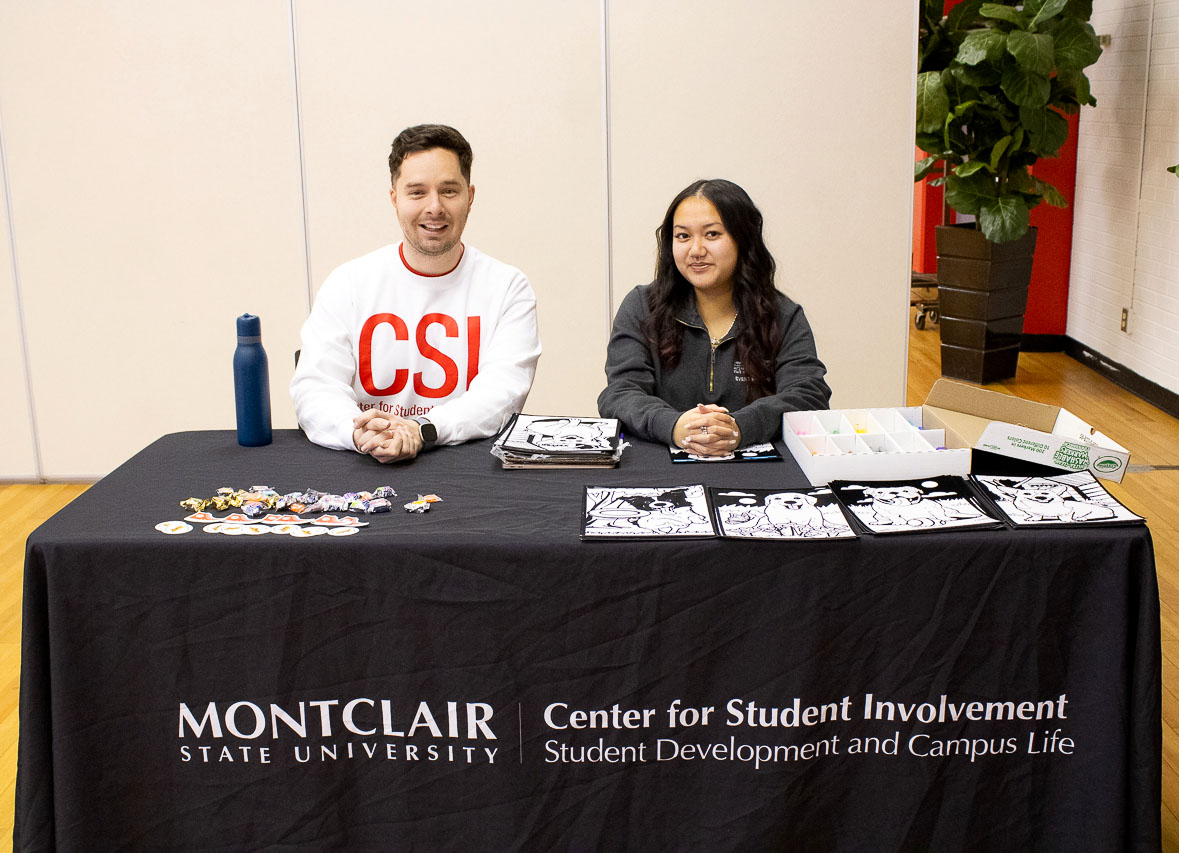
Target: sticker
pixel 282 519
pixel 230 529
pixel 304 532
pixel 201 517
pixel 213 528
pixel 343 531
pixel 336 521
pixel 255 529
pixel 173 527
pixel 285 529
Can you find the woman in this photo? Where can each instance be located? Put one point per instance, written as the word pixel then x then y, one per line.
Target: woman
pixel 709 355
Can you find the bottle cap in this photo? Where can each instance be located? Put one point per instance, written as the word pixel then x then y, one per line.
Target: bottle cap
pixel 249 326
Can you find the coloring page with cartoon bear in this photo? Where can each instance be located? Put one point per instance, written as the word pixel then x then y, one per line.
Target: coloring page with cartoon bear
pixel 1075 498
pixel 753 453
pixel 627 512
pixel 927 505
pixel 779 514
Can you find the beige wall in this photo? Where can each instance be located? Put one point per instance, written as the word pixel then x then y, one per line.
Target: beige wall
pixel 152 161
pixel 18 458
pixel 169 169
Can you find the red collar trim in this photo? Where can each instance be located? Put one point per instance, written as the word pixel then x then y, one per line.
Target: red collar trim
pixel 401 252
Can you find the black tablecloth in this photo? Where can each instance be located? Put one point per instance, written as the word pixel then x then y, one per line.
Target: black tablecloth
pixel 432 682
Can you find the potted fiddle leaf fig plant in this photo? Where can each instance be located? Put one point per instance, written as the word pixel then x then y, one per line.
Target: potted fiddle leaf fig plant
pixel 994 82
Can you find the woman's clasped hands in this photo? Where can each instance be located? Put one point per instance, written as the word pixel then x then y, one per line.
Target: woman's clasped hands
pixel 707 430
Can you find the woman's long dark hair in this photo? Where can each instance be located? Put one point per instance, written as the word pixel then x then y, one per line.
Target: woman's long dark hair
pixel 754 297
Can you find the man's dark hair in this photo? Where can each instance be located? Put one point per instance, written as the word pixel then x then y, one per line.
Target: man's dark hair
pixel 423 137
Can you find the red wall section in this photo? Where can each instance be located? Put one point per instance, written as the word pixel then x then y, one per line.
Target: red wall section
pixel 1047 311
pixel 927 214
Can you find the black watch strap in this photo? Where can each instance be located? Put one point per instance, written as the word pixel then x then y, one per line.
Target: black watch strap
pixel 428 430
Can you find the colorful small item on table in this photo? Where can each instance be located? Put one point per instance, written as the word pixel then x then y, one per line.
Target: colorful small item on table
pixel 254 509
pixel 257 514
pixel 422 504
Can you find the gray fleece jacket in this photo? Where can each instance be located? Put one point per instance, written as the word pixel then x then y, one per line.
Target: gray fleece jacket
pixel 649 399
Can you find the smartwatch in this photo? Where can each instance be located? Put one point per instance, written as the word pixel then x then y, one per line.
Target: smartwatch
pixel 428 430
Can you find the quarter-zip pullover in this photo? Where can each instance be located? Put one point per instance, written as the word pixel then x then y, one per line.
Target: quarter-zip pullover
pixel 649 399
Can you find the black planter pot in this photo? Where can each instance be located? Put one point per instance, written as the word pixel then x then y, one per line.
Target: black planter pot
pixel 982 295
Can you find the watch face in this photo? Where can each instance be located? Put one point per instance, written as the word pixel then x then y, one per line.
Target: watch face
pixel 429 432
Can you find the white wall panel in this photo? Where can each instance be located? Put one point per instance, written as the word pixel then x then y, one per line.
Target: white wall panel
pixel 18 460
pixel 522 81
pixel 1126 220
pixel 153 168
pixel 816 126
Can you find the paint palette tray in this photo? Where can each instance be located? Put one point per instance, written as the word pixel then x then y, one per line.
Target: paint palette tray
pixel 870 444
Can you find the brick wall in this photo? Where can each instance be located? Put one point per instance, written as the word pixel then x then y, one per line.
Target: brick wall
pixel 1126 218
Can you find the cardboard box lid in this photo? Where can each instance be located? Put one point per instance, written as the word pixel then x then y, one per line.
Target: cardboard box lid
pixel 1013 426
pixel 975 407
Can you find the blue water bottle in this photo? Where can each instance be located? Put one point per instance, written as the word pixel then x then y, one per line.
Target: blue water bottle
pixel 251 384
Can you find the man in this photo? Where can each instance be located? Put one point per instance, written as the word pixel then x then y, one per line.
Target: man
pixel 421 343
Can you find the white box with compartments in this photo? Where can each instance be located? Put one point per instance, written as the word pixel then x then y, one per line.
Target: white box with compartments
pixel 869 444
pixel 937 437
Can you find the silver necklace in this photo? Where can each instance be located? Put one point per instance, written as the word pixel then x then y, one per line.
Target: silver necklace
pixel 716 341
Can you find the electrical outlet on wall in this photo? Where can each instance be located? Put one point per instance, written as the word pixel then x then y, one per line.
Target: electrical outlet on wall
pixel 1125 318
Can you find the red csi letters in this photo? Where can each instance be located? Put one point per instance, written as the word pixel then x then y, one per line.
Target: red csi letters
pixel 400 330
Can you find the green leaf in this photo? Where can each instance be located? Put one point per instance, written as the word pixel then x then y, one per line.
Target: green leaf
pixel 937 182
pixel 1024 88
pixel 1082 10
pixel 963 108
pixel 1051 194
pixel 1021 181
pixel 982 46
pixel 1003 13
pixel 976 76
pixel 1033 51
pixel 1174 170
pixel 1073 88
pixel 998 151
pixel 1004 219
pixel 969 194
pixel 963 15
pixel 933 104
pixel 924 166
pixel 1039 11
pixel 930 143
pixel 1076 45
pixel 1047 128
pixel 992 100
pixel 969 168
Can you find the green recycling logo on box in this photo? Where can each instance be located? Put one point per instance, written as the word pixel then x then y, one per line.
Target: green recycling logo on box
pixel 1072 456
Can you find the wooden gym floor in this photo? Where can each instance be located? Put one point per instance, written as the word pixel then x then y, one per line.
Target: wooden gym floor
pixel 1151 488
